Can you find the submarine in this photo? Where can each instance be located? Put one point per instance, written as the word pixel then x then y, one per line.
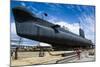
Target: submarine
pixel 29 26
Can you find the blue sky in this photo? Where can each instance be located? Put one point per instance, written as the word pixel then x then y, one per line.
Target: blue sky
pixel 68 15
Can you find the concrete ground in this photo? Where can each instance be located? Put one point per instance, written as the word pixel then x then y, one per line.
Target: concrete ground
pixel 31 58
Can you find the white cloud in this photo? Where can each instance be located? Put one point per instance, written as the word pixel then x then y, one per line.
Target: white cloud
pixel 13 28
pixel 23 4
pixel 13 32
pixel 34 10
pixel 88 24
pixel 74 27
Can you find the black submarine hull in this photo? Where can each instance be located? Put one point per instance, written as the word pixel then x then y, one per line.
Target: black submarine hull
pixel 28 25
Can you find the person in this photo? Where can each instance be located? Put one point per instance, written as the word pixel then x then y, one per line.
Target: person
pixel 78 53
